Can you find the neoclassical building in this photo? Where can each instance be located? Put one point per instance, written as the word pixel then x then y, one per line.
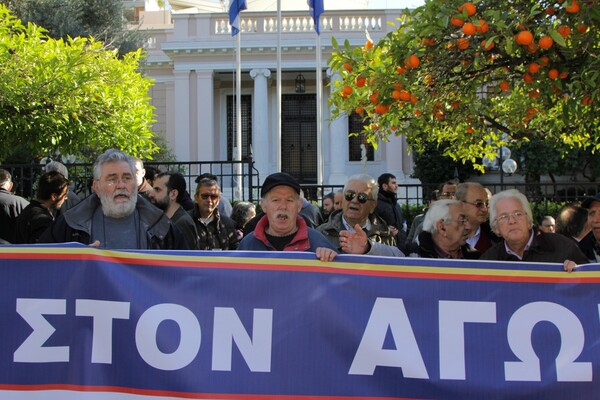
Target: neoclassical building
pixel 192 59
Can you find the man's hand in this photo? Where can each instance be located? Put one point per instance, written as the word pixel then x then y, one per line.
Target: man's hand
pixel 325 254
pixel 394 230
pixel 569 265
pixel 354 243
pixel 95 244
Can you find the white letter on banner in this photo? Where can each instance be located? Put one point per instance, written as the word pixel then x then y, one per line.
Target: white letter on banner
pixel 102 313
pixel 145 336
pixel 32 350
pixel 389 313
pixel 572 336
pixel 453 315
pixel 228 329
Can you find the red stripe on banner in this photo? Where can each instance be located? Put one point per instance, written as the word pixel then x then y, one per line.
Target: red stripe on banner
pixel 183 395
pixel 404 273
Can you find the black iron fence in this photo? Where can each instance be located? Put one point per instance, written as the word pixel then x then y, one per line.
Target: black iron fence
pixel 240 181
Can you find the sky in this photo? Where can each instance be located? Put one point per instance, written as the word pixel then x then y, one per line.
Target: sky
pixel 382 4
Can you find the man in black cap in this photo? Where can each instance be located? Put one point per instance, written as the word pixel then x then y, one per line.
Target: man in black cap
pixel 590 245
pixel 281 228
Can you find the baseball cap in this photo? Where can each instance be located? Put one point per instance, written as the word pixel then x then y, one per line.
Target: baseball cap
pixel 278 179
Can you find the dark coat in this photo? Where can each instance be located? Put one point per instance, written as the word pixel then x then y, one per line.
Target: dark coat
pixel 545 247
pixel 487 238
pixel 589 247
pixel 426 248
pixel 187 227
pixel 10 207
pixel 226 236
pixel 76 226
pixel 379 232
pixel 389 210
pixel 32 222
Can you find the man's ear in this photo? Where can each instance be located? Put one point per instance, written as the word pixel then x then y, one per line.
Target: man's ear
pixel 95 186
pixel 173 194
pixel 441 227
pixel 262 205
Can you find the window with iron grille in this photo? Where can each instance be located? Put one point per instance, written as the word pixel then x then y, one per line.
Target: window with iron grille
pixel 246 125
pixel 356 125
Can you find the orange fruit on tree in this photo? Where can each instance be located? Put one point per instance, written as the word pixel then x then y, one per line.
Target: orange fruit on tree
pixel 582 28
pixel 396 94
pixel 564 30
pixel 553 73
pixel 456 21
pixel 413 99
pixel 587 100
pixel 373 97
pixel 417 113
pixel 534 68
pixel 470 130
pixel 359 110
pixel 524 38
pixel 401 70
pixel 532 47
pixel 563 75
pixel 428 41
pixel 544 61
pixel 469 29
pixel 462 43
pixel 360 81
pixel 546 42
pixel 504 86
pixel 346 91
pixel 528 78
pixel 470 7
pixel 487 46
pixel 573 8
pixel 534 93
pixel 348 66
pixel 550 10
pixel 413 61
pixel 404 95
pixel 368 44
pixel 483 26
pixel 381 109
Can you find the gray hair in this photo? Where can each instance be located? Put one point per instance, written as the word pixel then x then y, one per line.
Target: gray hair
pixel 58 167
pixel 369 180
pixel 438 211
pixel 463 188
pixel 509 194
pixel 110 156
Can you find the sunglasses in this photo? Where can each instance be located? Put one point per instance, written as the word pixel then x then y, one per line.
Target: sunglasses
pixel 205 196
pixel 361 197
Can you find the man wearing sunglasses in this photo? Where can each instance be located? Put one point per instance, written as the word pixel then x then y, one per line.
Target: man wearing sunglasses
pixel 475 202
pixel 215 231
pixel 356 229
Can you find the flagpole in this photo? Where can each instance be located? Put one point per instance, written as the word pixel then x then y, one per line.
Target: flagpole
pixel 319 115
pixel 278 138
pixel 238 116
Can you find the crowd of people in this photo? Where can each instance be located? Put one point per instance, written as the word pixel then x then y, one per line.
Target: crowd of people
pixel 132 208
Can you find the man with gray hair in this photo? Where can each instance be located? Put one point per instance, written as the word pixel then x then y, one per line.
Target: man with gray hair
pixel 115 216
pixel 446 228
pixel 73 199
pixel 356 229
pixel 512 220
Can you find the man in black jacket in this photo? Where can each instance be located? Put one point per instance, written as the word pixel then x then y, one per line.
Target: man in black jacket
pixel 388 208
pixel 115 216
pixel 11 206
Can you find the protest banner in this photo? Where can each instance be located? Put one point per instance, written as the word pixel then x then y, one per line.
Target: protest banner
pixel 83 323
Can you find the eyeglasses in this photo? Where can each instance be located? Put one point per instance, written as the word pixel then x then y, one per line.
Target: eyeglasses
pixel 449 195
pixel 505 218
pixel 127 179
pixel 479 204
pixel 205 196
pixel 361 197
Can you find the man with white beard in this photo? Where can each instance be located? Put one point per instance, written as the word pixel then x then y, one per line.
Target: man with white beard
pixel 115 216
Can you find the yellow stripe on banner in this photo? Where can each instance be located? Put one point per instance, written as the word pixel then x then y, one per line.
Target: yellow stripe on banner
pixel 424 271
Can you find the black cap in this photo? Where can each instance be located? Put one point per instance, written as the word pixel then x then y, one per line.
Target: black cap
pixel 587 202
pixel 278 179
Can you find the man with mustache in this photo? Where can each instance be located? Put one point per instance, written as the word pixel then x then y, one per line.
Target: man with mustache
pixel 115 216
pixel 281 228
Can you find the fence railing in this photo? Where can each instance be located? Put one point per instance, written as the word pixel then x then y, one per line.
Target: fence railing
pixel 240 181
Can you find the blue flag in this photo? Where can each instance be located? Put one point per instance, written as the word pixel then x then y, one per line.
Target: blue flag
pixel 316 9
pixel 235 8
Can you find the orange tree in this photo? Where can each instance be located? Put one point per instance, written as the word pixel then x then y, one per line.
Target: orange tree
pixel 476 76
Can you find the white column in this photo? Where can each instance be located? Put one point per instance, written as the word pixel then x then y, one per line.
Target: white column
pixel 260 121
pixel 338 142
pixel 395 151
pixel 205 129
pixel 181 143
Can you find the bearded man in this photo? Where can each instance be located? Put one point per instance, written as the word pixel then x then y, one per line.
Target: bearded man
pixel 115 216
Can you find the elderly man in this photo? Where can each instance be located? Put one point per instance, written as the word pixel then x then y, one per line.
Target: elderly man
pixel 590 244
pixel 11 206
pixel 512 220
pixel 475 202
pixel 215 231
pixel 52 192
pixel 356 229
pixel 115 216
pixel 548 224
pixel 281 228
pixel 167 193
pixel 572 222
pixel 143 186
pixel 447 190
pixel 446 228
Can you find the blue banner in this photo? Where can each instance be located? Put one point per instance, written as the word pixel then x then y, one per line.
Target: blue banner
pixel 254 325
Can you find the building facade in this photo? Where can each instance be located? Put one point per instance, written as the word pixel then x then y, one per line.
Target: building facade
pixel 192 59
